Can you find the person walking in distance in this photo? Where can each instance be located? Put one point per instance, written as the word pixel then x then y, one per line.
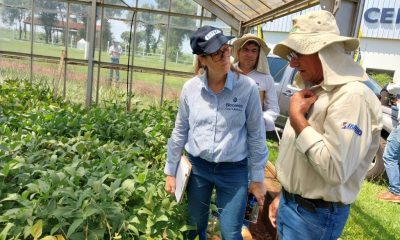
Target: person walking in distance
pixel 250 57
pixel 115 52
pixel 332 133
pixel 220 125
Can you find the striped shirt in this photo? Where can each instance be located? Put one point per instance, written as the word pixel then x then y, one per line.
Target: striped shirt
pixel 220 127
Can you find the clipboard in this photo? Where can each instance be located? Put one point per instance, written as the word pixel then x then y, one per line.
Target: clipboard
pixel 182 177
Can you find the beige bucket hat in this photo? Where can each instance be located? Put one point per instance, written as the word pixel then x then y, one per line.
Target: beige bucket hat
pixel 248 37
pixel 312 32
pixel 262 65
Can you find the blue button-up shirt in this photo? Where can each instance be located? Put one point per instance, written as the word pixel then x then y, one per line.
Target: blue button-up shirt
pixel 220 127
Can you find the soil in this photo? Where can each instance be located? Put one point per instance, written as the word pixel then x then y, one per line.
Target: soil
pixel 259 231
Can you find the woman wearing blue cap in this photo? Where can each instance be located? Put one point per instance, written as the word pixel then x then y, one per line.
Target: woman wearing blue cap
pixel 220 125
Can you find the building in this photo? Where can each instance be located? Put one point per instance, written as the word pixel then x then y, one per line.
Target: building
pixel 379 35
pixel 58 27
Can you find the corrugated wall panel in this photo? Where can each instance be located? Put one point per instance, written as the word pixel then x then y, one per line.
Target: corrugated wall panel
pixel 284 24
pixel 381 19
pixel 379 43
pixel 382 54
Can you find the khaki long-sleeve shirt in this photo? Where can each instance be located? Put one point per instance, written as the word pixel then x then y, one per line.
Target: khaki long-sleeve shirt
pixel 330 158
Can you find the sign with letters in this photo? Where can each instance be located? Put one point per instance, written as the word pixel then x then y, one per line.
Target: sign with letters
pixel 382 15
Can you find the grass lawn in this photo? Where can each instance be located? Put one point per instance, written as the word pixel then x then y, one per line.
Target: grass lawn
pixel 146 83
pixel 8 43
pixel 147 86
pixel 371 218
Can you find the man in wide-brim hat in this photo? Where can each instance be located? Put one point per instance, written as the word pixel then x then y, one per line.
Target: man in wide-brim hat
pixel 332 134
pixel 250 56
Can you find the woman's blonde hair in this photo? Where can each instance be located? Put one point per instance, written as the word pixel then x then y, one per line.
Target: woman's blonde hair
pixel 198 68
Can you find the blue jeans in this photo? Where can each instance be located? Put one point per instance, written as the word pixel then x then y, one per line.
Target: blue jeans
pixel 230 182
pixel 114 61
pixel 296 222
pixel 391 158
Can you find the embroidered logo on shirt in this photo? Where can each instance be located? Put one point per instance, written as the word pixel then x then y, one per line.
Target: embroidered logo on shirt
pixel 353 127
pixel 234 106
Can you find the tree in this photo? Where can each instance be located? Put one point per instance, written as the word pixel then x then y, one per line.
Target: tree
pixel 107 35
pixel 148 20
pixel 48 15
pixel 10 15
pixel 154 46
pixel 82 12
pixel 125 37
pixel 63 15
pixel 149 36
pixel 140 37
pixel 180 26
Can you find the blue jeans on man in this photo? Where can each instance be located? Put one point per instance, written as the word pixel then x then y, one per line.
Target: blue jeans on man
pixel 114 61
pixel 297 222
pixel 230 180
pixel 391 158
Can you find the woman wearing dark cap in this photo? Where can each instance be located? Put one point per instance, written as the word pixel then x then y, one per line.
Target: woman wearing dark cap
pixel 220 125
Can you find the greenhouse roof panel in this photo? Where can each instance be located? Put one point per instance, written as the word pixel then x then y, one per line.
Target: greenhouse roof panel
pixel 249 13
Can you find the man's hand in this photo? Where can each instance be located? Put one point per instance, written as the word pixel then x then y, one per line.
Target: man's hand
pixel 300 104
pixel 170 184
pixel 258 190
pixel 273 210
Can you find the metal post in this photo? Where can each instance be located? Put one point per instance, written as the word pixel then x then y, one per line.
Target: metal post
pixel 66 37
pixel 132 49
pixel 348 17
pixel 98 65
pixel 166 52
pixel 32 21
pixel 201 19
pixel 92 34
pixel 359 14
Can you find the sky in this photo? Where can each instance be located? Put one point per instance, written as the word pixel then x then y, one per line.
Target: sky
pixel 118 27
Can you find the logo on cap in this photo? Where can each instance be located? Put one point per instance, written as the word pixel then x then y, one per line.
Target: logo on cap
pixel 212 34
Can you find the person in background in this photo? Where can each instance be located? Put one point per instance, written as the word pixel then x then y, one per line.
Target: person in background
pixel 219 124
pixel 115 52
pixel 391 155
pixel 332 133
pixel 250 56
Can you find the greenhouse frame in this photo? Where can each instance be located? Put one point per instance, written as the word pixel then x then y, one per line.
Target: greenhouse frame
pixel 65 42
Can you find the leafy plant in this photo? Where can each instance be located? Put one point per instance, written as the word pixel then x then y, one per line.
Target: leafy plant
pixel 382 79
pixel 76 173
